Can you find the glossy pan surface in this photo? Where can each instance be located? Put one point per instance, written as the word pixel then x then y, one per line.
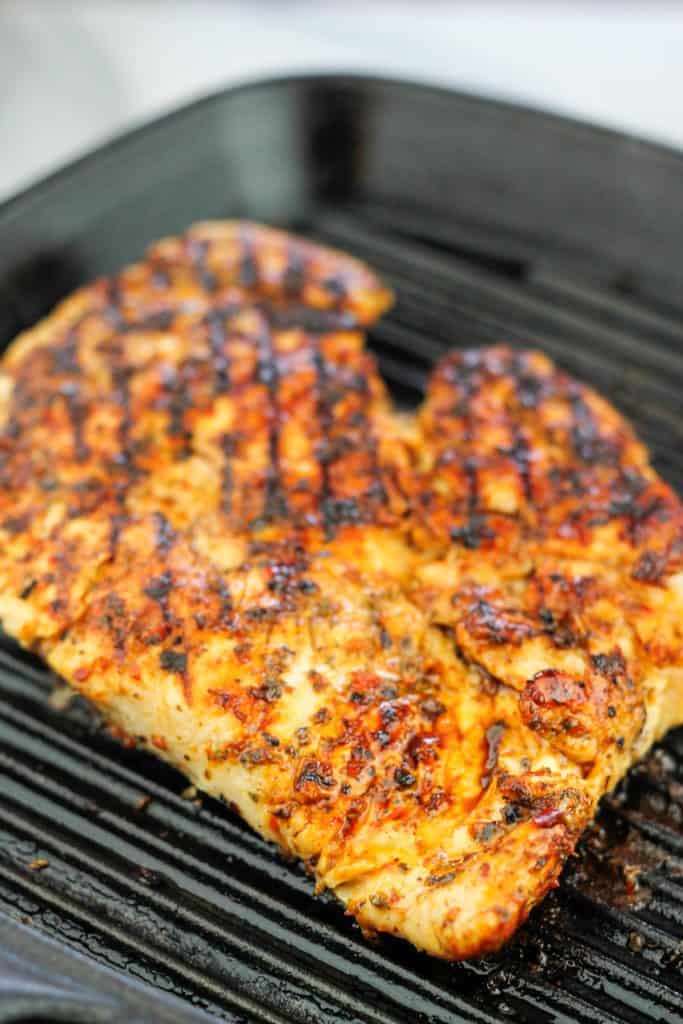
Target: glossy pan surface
pixel 491 223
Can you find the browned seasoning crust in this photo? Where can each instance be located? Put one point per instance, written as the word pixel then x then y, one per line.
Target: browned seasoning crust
pixel 413 652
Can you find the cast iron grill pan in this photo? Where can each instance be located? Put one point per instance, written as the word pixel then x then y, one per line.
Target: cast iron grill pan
pixel 491 223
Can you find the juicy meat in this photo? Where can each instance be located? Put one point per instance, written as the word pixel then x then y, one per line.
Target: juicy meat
pixel 413 651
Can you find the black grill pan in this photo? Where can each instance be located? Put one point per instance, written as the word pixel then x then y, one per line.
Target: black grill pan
pixel 492 223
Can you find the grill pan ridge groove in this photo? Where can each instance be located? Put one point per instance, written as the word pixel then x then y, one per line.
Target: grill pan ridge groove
pixel 169 897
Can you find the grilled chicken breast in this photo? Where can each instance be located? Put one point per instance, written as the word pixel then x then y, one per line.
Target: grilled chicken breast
pixel 412 651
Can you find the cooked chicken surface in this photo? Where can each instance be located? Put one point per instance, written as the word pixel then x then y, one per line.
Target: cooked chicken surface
pixel 412 651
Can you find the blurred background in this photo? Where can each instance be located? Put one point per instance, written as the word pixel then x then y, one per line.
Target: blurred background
pixel 75 72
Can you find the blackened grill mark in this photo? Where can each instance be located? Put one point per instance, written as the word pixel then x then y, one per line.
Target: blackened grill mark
pixel 179 400
pixel 437 880
pixel 313 321
pixel 159 589
pixel 642 515
pixel 522 459
pixel 560 630
pixel 176 408
pixel 161 279
pixel 198 251
pixel 65 361
pixel 493 738
pixel 316 773
pixel 115 622
pixel 472 533
pixel 274 505
pixel 116 524
pixel 165 534
pixel 120 379
pixel 472 486
pixel 16 524
pixel 520 454
pixel 64 353
pixel 225 596
pixel 650 567
pixel 631 487
pixel 294 275
pixel 464 377
pixel 113 312
pixel 529 388
pixel 12 427
pixel 589 444
pixel 496 625
pixel 529 391
pixel 161 320
pixel 475 529
pixel 627 503
pixel 340 512
pixel 248 268
pixel 376 492
pixel 403 778
pixel 20 401
pixel 65 356
pixel 336 288
pixel 611 664
pixel 349 510
pixel 78 411
pixel 173 661
pixel 125 457
pixel 325 421
pixel 216 324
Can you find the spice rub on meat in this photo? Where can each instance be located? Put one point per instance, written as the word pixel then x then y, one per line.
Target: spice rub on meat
pixel 412 651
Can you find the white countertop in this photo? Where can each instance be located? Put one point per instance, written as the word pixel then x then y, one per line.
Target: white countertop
pixel 75 72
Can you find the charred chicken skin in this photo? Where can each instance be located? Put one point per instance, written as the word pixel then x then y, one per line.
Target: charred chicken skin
pixel 413 651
